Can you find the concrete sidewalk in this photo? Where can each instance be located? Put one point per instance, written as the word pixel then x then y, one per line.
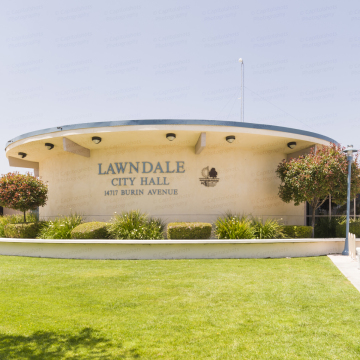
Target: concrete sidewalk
pixel 348 267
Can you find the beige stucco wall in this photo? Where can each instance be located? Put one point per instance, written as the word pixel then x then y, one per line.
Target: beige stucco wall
pixel 245 169
pixel 247 183
pixel 7 211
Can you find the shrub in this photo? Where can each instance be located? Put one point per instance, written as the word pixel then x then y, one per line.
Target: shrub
pixel 91 230
pixel 22 192
pixel 297 232
pixel 23 230
pixel 14 219
pixel 313 177
pixel 271 229
pixel 234 227
pixel 4 220
pixel 354 228
pixel 188 230
pixel 134 225
pixel 326 227
pixel 60 228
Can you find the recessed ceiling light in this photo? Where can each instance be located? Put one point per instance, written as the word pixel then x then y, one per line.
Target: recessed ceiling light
pixel 230 138
pixel 96 139
pixel 291 144
pixel 170 136
pixel 49 146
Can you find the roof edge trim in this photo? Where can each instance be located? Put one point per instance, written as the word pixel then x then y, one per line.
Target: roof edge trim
pixel 169 122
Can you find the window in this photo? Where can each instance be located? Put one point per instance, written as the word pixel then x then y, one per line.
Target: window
pixel 330 208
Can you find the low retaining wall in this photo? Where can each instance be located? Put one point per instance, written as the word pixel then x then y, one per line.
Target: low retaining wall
pixel 170 249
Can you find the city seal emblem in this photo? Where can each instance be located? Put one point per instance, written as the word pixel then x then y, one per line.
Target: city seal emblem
pixel 209 177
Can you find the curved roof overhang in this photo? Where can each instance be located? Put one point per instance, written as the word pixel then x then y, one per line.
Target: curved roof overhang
pixel 256 137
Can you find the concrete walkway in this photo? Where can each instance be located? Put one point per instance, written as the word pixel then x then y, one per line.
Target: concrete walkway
pixel 348 267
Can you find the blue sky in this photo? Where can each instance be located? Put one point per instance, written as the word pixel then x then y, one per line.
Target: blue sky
pixel 84 61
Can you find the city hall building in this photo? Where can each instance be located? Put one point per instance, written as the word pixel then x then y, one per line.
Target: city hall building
pixel 178 170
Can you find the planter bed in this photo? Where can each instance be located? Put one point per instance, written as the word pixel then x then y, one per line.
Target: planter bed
pixel 170 249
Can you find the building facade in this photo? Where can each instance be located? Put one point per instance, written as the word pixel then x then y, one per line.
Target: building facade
pixel 179 170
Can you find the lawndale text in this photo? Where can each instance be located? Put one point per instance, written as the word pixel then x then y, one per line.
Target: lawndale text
pixel 145 167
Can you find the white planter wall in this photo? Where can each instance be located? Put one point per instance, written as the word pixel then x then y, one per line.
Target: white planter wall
pixel 170 249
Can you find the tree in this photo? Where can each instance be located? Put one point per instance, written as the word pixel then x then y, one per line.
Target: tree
pixel 314 177
pixel 22 192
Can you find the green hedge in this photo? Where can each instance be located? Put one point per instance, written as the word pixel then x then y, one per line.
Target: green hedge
pixel 91 230
pixel 23 231
pixel 15 219
pixel 354 228
pixel 4 220
pixel 189 230
pixel 325 227
pixel 297 232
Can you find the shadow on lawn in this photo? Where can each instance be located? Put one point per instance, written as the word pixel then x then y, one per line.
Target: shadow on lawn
pixel 41 345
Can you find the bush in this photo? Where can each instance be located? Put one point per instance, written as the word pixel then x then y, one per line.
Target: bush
pixel 188 230
pixel 271 229
pixel 22 192
pixel 14 219
pixel 23 230
pixel 91 230
pixel 326 227
pixel 60 228
pixel 354 228
pixel 297 232
pixel 234 227
pixel 4 220
pixel 134 225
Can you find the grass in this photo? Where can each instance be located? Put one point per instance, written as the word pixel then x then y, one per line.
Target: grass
pixel 301 308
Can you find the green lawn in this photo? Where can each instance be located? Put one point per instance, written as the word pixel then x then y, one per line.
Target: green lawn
pixel 301 308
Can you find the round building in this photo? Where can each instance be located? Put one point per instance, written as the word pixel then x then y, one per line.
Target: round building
pixel 179 170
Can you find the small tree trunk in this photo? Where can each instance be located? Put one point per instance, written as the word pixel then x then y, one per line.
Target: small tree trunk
pixel 24 217
pixel 313 221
